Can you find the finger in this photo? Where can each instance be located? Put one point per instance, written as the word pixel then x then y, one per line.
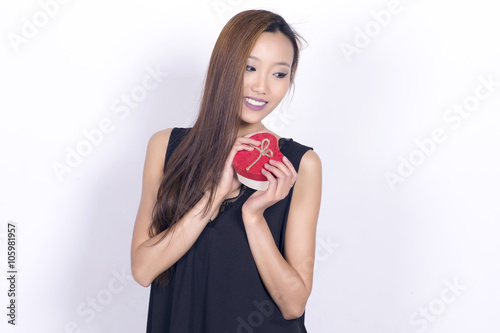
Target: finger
pixel 283 180
pixel 237 147
pixel 240 144
pixel 289 165
pixel 282 167
pixel 290 175
pixel 282 188
pixel 273 183
pixel 247 141
pixel 232 153
pixel 277 172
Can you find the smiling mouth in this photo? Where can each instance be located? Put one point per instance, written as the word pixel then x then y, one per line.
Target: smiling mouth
pixel 255 102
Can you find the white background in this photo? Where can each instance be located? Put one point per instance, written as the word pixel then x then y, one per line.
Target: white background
pixel 385 254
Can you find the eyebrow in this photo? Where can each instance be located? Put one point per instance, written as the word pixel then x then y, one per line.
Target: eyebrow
pixel 282 63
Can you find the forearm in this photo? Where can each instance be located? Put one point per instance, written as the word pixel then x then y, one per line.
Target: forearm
pixel 282 281
pixel 154 256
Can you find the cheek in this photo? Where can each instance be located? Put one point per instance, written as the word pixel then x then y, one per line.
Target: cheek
pixel 283 88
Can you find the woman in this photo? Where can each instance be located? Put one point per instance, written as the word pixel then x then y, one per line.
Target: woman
pixel 219 256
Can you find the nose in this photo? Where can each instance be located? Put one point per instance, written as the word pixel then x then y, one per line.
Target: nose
pixel 260 85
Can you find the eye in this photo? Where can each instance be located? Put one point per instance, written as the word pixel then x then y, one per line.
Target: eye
pixel 281 75
pixel 250 68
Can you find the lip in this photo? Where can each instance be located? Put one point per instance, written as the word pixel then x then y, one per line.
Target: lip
pixel 254 107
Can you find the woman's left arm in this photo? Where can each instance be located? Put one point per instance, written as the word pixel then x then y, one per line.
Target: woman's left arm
pixel 288 279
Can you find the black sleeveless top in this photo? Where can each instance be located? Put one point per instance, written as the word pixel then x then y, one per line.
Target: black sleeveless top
pixel 215 287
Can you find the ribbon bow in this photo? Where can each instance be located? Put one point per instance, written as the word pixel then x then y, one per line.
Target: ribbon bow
pixel 263 151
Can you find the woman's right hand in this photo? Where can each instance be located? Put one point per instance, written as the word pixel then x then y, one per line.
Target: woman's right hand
pixel 229 182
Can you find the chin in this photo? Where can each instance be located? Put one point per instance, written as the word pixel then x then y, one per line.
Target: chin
pixel 251 120
pixel 253 117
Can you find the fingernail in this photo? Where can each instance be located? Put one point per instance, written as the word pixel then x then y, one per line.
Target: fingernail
pixel 284 158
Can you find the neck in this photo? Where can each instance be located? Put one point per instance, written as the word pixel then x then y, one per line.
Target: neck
pixel 246 128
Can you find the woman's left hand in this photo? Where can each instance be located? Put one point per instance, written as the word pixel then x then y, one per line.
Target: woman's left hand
pixel 281 177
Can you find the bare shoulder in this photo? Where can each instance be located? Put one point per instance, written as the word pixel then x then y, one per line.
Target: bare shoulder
pixel 310 163
pixel 309 181
pixel 307 192
pixel 158 142
pixel 155 154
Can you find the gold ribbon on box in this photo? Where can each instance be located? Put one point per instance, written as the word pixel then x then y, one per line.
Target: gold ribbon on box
pixel 263 151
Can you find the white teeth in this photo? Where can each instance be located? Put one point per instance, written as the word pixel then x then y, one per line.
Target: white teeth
pixel 254 102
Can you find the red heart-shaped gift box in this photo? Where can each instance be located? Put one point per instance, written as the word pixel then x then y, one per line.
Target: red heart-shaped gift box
pixel 248 164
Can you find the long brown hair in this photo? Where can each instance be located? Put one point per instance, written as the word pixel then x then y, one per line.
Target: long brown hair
pixel 195 166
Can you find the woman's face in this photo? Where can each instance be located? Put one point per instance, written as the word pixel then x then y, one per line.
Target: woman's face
pixel 267 76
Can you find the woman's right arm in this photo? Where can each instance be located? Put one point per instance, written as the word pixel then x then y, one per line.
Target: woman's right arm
pixel 149 261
